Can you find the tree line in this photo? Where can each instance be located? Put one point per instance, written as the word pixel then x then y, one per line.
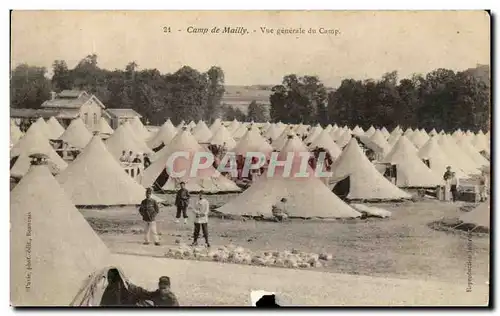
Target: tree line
pixel 442 99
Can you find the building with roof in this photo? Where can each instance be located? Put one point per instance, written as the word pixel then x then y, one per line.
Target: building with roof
pixel 66 106
pixel 71 104
pixel 117 117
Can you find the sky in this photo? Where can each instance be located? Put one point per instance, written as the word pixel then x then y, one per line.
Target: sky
pixel 367 43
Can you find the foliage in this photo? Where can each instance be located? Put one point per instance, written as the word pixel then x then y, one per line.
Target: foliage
pixel 442 99
pixel 187 94
pixel 257 113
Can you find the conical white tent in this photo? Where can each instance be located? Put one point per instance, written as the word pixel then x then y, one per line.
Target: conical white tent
pixel 165 134
pixel 365 181
pixel 278 143
pixel 336 133
pixel 124 139
pixel 418 139
pixel 343 140
pixel 381 147
pixel 222 136
pixel 208 180
pixel 34 142
pixel 104 127
pixel 41 125
pixel 454 152
pixel 76 135
pixel 480 216
pixel 15 134
pixel 252 142
pixel 385 132
pixel 325 141
pixel 315 132
pixel 52 247
pixel 273 132
pixel 315 201
pixel 96 178
pixel 438 160
pixel 215 125
pixel 55 129
pixel 393 139
pixel 480 143
pixel 433 132
pixel 411 170
pixel 180 126
pixel 358 131
pixel 301 130
pixel 139 129
pixel 471 151
pixel 233 126
pixel 240 132
pixel 328 128
pixel 370 132
pixel 192 125
pixel 201 132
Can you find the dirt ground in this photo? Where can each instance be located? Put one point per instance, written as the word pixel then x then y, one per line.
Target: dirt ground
pixel 403 246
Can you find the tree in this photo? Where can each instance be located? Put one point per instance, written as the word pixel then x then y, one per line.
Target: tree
pixel 256 112
pixel 230 113
pixel 297 99
pixel 215 93
pixel 61 80
pixel 29 86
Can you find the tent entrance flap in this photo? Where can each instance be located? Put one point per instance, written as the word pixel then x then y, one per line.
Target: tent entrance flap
pixel 161 180
pixel 342 188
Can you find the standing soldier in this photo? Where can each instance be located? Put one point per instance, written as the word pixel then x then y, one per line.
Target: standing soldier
pixel 201 220
pixel 182 203
pixel 149 209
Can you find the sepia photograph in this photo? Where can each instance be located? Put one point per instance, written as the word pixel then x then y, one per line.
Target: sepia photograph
pixel 250 158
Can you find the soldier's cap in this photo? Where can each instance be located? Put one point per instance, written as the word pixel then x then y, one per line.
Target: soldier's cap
pixel 149 190
pixel 164 280
pixel 183 182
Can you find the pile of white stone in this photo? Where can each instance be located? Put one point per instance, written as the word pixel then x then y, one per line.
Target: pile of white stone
pixel 240 255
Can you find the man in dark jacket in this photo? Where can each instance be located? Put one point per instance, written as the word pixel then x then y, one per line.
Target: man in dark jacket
pixel 182 202
pixel 149 209
pixel 163 296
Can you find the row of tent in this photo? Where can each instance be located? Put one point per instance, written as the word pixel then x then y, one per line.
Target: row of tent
pixel 96 177
pixel 49 264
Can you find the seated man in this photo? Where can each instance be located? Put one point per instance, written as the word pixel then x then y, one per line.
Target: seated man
pixel 280 212
pixel 163 296
pixel 120 292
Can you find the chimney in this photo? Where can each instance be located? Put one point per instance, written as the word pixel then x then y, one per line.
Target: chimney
pixel 52 95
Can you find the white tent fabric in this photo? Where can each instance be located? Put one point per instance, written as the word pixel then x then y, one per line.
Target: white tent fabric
pixel 76 135
pixel 411 170
pixel 202 133
pixel 139 130
pixel 55 129
pixel 164 135
pixel 124 139
pixel 313 134
pixel 15 134
pixel 358 131
pixel 307 196
pixel 419 139
pixel 455 153
pixel 215 125
pixel 370 132
pixel 471 151
pixel 96 178
pixel 325 141
pixel 366 182
pixel 104 127
pixel 252 141
pixel 480 216
pixel 207 180
pixel 279 142
pixel 233 126
pixel 222 136
pixel 438 159
pixel 240 132
pixel 63 248
pixel 344 139
pixel 34 142
pixel 41 125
